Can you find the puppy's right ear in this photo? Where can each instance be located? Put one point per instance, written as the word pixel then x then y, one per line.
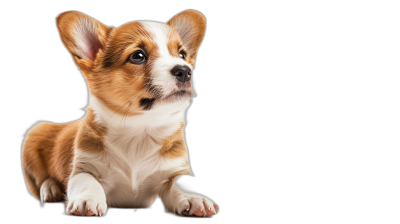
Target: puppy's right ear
pixel 83 36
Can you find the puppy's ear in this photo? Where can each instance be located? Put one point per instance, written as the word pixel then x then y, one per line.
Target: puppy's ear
pixel 190 25
pixel 83 36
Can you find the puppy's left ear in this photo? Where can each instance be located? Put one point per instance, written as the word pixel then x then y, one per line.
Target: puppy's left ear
pixel 190 25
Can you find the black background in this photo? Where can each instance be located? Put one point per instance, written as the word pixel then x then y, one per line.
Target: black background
pixel 221 135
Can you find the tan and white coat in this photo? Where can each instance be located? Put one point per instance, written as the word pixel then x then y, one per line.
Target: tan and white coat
pixel 129 148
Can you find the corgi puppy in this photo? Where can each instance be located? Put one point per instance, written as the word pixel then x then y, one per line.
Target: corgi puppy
pixel 129 147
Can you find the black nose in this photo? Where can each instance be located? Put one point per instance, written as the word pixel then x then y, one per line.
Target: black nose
pixel 182 73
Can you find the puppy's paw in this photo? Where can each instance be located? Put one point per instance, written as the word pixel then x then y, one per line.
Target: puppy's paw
pixel 50 191
pixel 191 205
pixel 86 207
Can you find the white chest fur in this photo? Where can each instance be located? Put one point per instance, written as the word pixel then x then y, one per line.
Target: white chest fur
pixel 131 169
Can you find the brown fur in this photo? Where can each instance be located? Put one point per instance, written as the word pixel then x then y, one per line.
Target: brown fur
pixel 198 22
pixel 47 152
pixel 174 146
pixel 91 134
pixel 109 69
pixel 49 148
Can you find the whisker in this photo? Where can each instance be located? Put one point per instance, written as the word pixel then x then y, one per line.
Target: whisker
pixel 153 92
pixel 136 84
pixel 139 93
pixel 119 109
pixel 126 112
pixel 129 107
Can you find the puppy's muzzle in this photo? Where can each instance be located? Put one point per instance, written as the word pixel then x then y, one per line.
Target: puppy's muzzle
pixel 182 73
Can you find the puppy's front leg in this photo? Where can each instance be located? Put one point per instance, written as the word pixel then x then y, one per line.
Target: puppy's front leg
pixel 186 204
pixel 85 196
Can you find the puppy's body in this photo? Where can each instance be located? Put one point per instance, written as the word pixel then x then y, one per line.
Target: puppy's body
pixel 129 148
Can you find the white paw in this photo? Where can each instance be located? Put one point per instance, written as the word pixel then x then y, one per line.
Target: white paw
pixel 192 205
pixel 87 207
pixel 50 191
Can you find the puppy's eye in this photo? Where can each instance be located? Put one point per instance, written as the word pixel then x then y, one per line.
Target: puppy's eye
pixel 137 57
pixel 182 54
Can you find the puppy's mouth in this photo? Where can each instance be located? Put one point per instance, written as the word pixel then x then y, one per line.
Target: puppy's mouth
pixel 179 94
pixel 183 92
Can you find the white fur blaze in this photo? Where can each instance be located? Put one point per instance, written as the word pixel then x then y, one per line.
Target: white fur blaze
pixel 162 66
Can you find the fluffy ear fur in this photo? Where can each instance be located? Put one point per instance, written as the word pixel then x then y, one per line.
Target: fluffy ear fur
pixel 190 25
pixel 83 36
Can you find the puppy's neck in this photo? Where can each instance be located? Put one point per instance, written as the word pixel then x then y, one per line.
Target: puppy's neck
pixel 159 122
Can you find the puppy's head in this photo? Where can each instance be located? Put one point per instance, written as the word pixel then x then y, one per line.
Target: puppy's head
pixel 140 64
